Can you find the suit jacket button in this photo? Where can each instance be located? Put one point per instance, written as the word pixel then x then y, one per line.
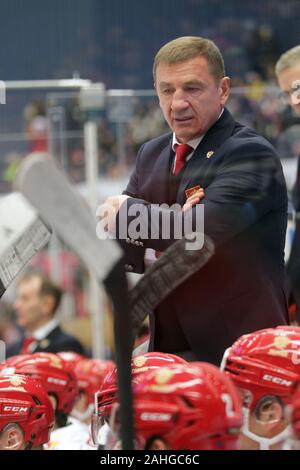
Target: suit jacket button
pixel 127 240
pixel 44 343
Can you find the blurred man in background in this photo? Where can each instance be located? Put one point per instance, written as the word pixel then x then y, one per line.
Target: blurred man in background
pixel 288 76
pixel 36 304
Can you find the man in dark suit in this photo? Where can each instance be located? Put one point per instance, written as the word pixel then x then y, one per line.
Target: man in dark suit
pixel 37 301
pixel 236 175
pixel 288 75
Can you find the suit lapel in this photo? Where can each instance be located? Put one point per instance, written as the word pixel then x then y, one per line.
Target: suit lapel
pixel 212 140
pixel 161 172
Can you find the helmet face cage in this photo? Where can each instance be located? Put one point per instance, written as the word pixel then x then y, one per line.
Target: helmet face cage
pixel 103 403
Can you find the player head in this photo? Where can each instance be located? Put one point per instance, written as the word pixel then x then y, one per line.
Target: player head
pixel 107 396
pixel 55 376
pixel 26 413
pixel 185 407
pixel 90 374
pixel 264 365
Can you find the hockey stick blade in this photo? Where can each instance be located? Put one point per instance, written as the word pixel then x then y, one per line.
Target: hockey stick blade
pixel 22 234
pixel 48 189
pixel 171 269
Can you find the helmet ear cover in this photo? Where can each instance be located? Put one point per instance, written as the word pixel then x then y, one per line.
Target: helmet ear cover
pixel 262 405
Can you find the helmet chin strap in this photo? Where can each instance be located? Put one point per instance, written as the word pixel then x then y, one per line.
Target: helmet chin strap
pixel 264 442
pixel 85 415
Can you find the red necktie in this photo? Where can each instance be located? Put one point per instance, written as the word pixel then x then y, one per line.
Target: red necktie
pixel 28 340
pixel 182 151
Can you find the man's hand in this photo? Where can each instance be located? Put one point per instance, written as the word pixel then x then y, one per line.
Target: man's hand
pixel 190 202
pixel 109 210
pixel 194 199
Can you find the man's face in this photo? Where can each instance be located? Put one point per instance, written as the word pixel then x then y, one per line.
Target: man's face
pixel 190 97
pixel 28 304
pixel 289 82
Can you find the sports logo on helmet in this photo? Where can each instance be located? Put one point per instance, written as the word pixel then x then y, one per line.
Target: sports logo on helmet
pixel 280 343
pixel 15 409
pixel 16 380
pixel 163 376
pixel 152 416
pixel 139 361
pixel 56 362
pixel 277 380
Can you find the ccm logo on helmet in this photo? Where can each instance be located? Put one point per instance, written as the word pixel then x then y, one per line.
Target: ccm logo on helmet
pixel 277 380
pixel 155 417
pixel 16 409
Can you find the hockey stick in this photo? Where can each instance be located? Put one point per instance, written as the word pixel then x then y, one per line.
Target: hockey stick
pixel 47 188
pixel 22 234
pixel 170 270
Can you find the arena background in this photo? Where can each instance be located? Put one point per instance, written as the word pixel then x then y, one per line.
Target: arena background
pixel 113 42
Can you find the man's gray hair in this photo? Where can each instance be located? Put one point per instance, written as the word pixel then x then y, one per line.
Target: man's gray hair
pixel 288 60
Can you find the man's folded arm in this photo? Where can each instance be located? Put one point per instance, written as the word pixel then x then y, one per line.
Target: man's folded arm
pixel 246 186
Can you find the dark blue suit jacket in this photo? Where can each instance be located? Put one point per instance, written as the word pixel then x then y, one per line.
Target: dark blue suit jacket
pixel 242 288
pixel 56 341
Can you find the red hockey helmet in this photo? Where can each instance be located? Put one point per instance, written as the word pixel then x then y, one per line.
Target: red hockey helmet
pixel 90 374
pixel 25 402
pixel 139 364
pixel 71 357
pixel 191 406
pixel 107 396
pixel 266 362
pixel 51 371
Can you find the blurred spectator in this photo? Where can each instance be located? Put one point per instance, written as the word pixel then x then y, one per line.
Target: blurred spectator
pixel 263 51
pixel 36 304
pixel 36 126
pixel 12 162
